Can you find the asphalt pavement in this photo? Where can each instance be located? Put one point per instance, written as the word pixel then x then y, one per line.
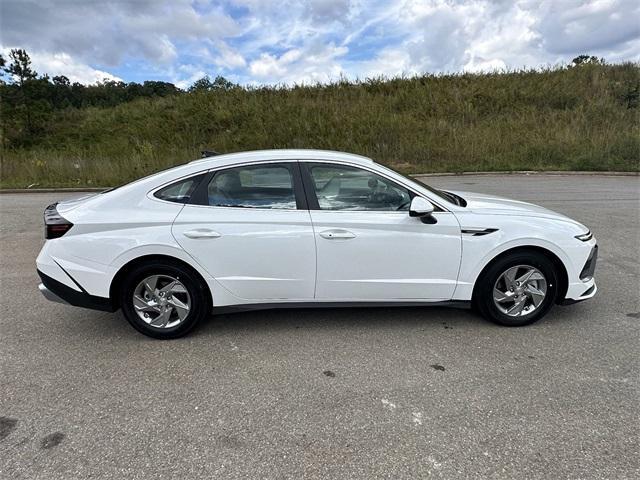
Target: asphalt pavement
pixel 331 393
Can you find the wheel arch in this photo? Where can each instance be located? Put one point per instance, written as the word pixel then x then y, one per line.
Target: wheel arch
pixel 116 282
pixel 561 269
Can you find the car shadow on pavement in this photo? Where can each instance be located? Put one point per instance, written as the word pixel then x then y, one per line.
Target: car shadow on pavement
pixel 84 325
pixel 382 318
pixel 93 325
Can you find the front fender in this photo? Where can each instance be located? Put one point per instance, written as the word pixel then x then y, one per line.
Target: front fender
pixel 472 266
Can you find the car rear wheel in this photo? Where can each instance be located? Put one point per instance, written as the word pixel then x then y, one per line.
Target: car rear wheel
pixel 163 300
pixel 517 289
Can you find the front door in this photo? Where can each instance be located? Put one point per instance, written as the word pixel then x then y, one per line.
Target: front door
pixel 255 235
pixel 369 248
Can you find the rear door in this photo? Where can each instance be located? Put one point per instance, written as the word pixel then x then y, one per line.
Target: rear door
pixel 368 247
pixel 252 232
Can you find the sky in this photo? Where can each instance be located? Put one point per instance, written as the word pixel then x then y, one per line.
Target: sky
pixel 255 42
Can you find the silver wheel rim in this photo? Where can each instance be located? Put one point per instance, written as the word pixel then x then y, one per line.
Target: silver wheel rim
pixel 520 290
pixel 161 301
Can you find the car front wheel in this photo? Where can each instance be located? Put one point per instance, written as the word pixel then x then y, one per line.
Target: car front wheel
pixel 517 289
pixel 163 300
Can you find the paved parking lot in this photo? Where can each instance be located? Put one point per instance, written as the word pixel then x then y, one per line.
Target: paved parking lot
pixel 354 393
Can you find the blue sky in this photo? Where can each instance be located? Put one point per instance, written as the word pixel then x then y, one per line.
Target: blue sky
pixel 286 42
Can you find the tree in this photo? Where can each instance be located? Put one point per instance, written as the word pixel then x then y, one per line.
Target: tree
pixel 205 84
pixel 3 63
pixel 62 95
pixel 20 70
pixel 222 83
pixel 20 67
pixel 587 60
pixel 152 88
pixel 28 100
pixel 202 85
pixel 61 80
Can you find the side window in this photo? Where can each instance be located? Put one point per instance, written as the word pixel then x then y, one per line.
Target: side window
pixel 260 186
pixel 349 188
pixel 179 192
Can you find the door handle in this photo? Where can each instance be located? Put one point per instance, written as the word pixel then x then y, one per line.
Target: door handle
pixel 337 234
pixel 201 233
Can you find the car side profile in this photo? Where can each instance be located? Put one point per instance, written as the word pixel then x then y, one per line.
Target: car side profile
pixel 296 228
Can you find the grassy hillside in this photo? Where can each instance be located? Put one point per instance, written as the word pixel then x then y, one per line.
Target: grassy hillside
pixel 580 118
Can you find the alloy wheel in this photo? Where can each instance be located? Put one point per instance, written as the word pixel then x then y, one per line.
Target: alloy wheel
pixel 520 290
pixel 161 301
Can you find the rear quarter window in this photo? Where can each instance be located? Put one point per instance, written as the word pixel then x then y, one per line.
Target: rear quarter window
pixel 180 191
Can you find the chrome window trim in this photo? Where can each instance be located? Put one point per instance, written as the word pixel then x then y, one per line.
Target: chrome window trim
pixel 151 196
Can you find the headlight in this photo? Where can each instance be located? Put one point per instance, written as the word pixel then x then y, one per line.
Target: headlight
pixel 585 237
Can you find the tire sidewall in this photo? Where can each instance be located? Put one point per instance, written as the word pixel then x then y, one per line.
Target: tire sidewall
pixel 191 282
pixel 483 295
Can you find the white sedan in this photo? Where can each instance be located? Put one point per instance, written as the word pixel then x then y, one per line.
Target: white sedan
pixel 296 228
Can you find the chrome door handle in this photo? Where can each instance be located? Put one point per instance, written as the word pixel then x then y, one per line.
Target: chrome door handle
pixel 201 233
pixel 337 234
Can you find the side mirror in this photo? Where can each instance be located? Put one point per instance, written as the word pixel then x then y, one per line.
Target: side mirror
pixel 420 207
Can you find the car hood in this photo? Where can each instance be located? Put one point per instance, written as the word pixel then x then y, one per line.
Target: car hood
pixel 491 204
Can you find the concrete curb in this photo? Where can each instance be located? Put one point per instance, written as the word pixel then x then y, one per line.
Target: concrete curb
pixel 444 174
pixel 532 172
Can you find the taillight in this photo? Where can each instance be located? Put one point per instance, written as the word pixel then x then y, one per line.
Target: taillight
pixel 55 225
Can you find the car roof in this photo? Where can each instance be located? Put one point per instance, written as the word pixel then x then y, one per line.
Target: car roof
pixel 230 159
pixel 131 192
pixel 280 154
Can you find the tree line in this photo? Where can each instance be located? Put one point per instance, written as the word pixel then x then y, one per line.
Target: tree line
pixel 28 99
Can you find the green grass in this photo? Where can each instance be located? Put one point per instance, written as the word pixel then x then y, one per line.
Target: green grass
pixel 580 118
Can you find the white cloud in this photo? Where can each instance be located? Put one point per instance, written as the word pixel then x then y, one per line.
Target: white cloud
pixel 596 26
pixel 108 32
pixel 390 62
pixel 482 35
pixel 329 10
pixel 186 75
pixel 479 64
pixel 269 66
pixel 296 41
pixel 266 65
pixel 228 57
pixel 63 64
pixel 319 63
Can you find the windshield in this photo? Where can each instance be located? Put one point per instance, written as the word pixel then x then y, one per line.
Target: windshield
pixel 449 197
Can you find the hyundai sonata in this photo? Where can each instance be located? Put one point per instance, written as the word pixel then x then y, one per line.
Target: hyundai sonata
pixel 294 228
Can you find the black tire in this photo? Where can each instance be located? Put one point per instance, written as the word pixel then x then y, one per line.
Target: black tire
pixel 483 291
pixel 194 285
